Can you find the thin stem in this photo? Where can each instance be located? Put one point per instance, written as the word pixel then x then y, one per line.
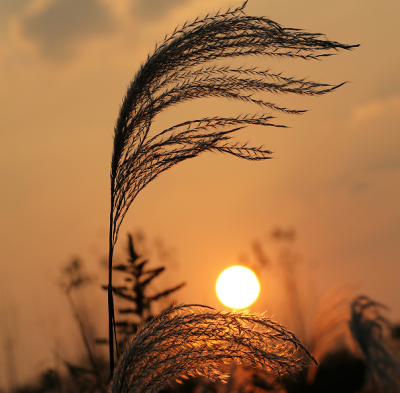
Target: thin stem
pixel 84 334
pixel 110 293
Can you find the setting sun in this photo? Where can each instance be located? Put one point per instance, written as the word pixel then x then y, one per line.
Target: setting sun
pixel 237 287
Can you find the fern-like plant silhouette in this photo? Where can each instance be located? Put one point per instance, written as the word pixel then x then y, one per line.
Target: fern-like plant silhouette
pixel 135 292
pixel 177 72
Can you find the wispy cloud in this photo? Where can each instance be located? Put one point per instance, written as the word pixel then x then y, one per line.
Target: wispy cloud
pixel 58 29
pixel 377 108
pixel 8 8
pixel 155 9
pixel 376 131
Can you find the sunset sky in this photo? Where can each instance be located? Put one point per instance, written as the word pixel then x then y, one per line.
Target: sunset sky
pixel 334 179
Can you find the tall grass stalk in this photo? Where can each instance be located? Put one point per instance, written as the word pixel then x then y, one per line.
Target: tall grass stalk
pixel 187 341
pixel 177 72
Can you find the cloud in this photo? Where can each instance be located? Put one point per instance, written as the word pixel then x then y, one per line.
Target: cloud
pixel 9 8
pixel 59 28
pixel 377 108
pixel 377 137
pixel 155 9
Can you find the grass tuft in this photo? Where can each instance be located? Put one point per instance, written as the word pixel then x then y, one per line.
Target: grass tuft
pixel 190 340
pixel 371 331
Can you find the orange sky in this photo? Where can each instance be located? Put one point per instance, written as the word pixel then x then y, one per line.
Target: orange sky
pixel 335 179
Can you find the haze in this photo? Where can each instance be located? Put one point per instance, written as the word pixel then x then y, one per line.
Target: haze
pixel 335 176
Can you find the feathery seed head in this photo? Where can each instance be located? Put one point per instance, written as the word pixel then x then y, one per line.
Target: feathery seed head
pixel 176 72
pixel 191 340
pixel 371 331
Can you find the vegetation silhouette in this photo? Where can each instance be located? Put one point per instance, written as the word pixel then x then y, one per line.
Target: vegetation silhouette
pixel 191 340
pixel 175 73
pixel 372 332
pixel 89 373
pixel 351 340
pixel 139 301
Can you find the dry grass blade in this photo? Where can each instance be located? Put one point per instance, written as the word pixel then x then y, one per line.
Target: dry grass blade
pixel 191 340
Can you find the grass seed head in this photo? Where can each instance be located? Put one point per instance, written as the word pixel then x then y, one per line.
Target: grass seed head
pixel 189 340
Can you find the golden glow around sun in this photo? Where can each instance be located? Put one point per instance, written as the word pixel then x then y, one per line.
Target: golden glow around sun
pixel 237 287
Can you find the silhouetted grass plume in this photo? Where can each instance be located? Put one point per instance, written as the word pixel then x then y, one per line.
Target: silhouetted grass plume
pixel 372 332
pixel 187 341
pixel 177 72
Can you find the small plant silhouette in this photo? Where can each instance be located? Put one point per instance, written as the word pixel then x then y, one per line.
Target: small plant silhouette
pixel 139 301
pixel 90 377
pixel 176 72
pixel 371 331
pixel 136 292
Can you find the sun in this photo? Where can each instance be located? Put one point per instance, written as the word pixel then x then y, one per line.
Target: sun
pixel 237 287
